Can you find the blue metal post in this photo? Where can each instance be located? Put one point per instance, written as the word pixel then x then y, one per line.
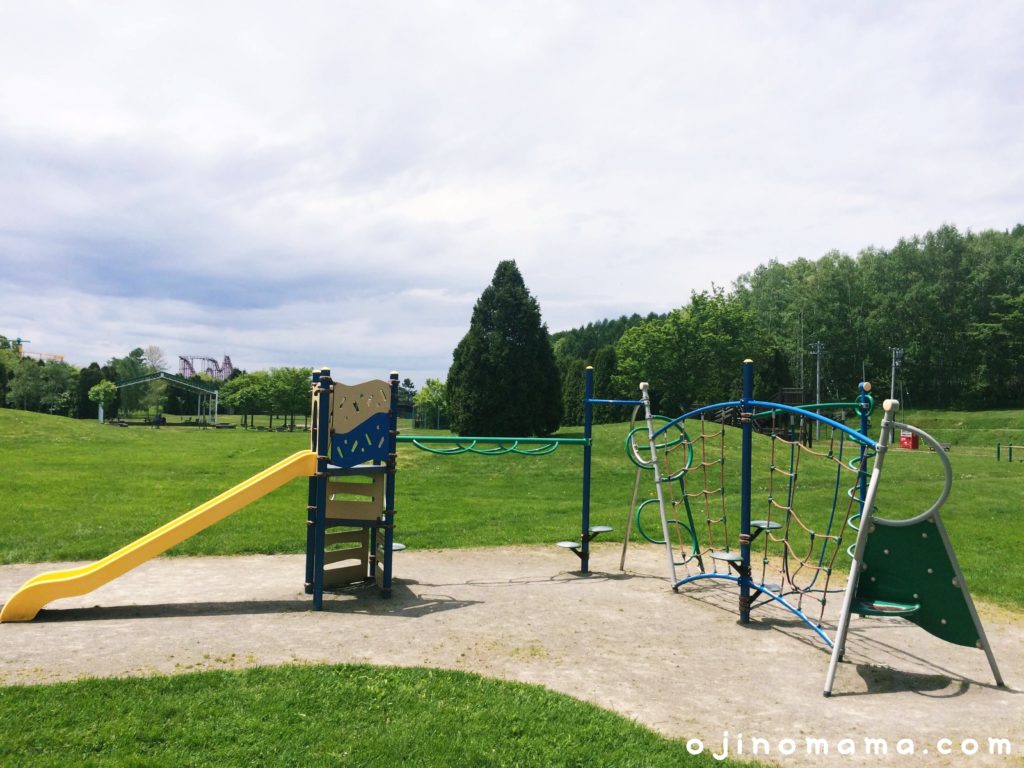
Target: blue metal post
pixel 311 493
pixel 323 452
pixel 865 425
pixel 746 460
pixel 389 488
pixel 588 434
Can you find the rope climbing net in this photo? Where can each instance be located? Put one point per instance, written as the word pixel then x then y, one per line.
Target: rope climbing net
pixel 809 496
pixel 813 496
pixel 807 493
pixel 692 470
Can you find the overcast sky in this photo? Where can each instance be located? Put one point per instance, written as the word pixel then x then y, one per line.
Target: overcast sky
pixel 332 183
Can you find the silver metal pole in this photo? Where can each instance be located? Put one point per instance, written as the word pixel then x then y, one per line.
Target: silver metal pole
pixel 655 464
pixel 863 531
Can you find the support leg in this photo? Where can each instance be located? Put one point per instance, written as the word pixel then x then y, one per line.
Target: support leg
pixel 629 519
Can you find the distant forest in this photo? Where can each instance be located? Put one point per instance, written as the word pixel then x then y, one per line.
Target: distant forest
pixel 952 301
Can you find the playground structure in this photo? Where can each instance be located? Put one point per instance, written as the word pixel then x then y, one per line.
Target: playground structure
pixel 908 568
pixel 905 568
pixel 351 469
pixel 192 365
pixel 900 568
pixel 827 478
pixel 444 445
pixel 351 502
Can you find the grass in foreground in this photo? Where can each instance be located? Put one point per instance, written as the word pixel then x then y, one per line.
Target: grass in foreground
pixel 311 716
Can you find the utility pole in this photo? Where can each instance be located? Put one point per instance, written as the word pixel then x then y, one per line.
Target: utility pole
pixel 817 349
pixel 800 346
pixel 897 361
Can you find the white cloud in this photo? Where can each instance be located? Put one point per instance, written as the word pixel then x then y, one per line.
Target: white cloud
pixel 292 185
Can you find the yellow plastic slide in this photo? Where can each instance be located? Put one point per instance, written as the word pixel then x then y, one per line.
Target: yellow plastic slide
pixel 40 590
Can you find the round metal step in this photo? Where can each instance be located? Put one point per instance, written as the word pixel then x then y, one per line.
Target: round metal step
pixel 884 608
pixel 729 557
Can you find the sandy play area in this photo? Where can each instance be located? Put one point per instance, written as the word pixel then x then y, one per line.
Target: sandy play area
pixel 678 663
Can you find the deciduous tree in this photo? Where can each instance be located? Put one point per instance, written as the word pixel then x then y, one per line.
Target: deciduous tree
pixel 104 393
pixel 432 403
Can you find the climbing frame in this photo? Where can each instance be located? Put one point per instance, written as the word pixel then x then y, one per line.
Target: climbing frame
pixel 911 571
pixel 908 569
pixel 351 499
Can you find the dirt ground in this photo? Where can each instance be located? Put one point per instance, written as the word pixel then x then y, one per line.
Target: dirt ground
pixel 678 663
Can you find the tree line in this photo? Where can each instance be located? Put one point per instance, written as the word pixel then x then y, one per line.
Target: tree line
pixel 952 301
pixel 283 392
pixel 61 389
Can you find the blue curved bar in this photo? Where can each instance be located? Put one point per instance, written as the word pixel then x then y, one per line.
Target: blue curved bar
pixel 766 592
pixel 862 439
pixel 696 412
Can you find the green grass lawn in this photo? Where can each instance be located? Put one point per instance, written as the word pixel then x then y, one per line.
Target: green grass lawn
pixel 974 433
pixel 321 716
pixel 79 490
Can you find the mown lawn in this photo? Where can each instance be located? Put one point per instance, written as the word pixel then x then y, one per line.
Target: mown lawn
pixel 321 716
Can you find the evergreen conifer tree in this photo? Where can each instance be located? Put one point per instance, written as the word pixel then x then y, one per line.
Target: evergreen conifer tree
pixel 503 379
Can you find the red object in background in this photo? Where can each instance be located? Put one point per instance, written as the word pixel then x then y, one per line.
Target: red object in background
pixel 908 440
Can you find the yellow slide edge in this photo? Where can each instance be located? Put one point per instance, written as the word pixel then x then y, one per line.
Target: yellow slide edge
pixel 72 582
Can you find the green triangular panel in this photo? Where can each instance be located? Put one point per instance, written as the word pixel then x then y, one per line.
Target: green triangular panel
pixel 911 564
